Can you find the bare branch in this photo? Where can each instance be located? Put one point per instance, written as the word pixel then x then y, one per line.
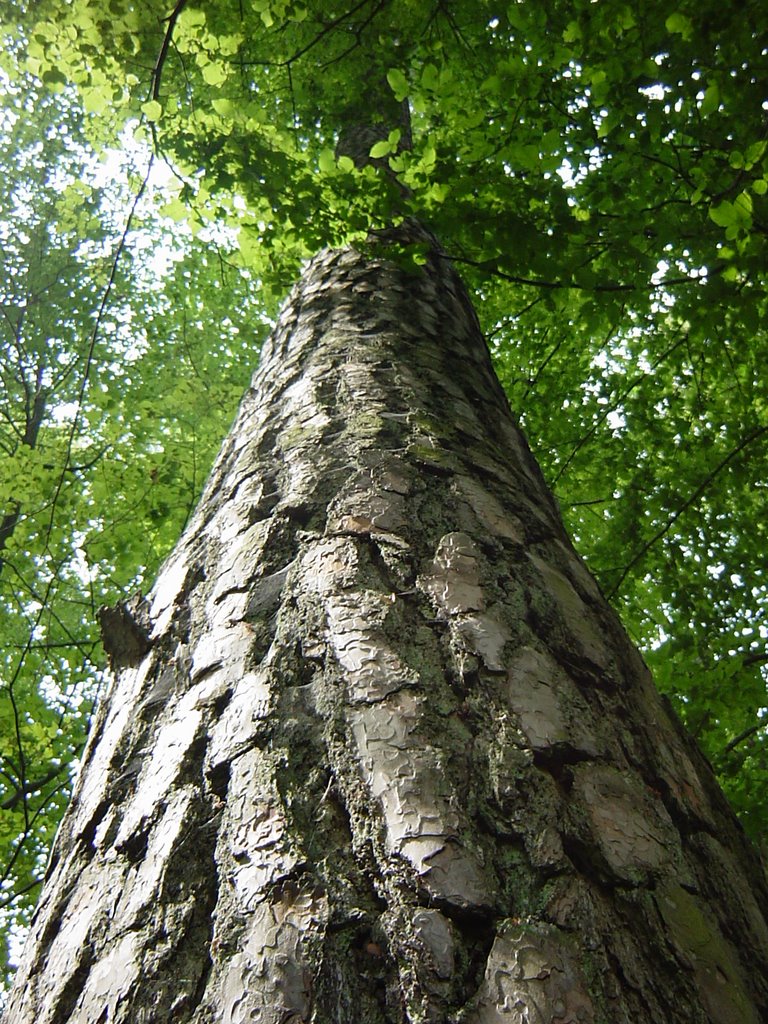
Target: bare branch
pixel 157 72
pixel 744 736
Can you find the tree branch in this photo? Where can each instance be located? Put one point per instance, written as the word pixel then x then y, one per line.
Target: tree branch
pixel 685 506
pixel 157 72
pixel 607 410
pixel 22 791
pixel 317 39
pixel 743 736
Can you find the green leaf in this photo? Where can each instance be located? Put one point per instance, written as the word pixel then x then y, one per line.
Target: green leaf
pixel 430 78
pixel 152 110
pixel 214 73
pixel 96 100
pixel 437 193
pixel 54 79
pixel 572 33
pixel 175 209
pixel 723 215
pixel 327 161
pixel 754 153
pixel 192 18
pixel 380 149
pixel 735 216
pixel 743 204
pixel 228 45
pixel 711 100
pixel 679 24
pixel 398 83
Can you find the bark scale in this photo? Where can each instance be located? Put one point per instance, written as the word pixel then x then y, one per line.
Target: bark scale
pixel 376 749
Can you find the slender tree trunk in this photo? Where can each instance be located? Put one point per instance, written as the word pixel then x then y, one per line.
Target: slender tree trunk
pixel 377 750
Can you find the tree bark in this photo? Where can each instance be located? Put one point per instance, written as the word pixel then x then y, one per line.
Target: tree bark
pixel 376 749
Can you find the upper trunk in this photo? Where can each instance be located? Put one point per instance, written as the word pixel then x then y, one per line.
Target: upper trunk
pixel 377 750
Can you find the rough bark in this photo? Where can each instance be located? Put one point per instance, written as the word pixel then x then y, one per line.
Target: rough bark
pixel 377 750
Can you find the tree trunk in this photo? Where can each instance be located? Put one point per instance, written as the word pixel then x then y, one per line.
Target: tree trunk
pixel 377 750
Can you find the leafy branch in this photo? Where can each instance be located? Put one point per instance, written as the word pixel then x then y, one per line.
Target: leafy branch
pixel 491 268
pixel 664 530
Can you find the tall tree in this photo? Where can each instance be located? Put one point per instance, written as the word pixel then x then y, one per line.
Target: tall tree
pixel 377 748
pixel 597 172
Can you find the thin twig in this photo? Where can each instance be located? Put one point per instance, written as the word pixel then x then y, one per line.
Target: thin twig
pixel 744 736
pixel 536 282
pixel 685 506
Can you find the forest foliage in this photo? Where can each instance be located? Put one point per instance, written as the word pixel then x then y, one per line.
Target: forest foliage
pixel 596 170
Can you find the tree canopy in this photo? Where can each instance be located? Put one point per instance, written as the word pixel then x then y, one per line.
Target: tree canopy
pixel 596 172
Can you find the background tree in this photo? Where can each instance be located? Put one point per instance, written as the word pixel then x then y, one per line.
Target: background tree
pixel 101 429
pixel 599 175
